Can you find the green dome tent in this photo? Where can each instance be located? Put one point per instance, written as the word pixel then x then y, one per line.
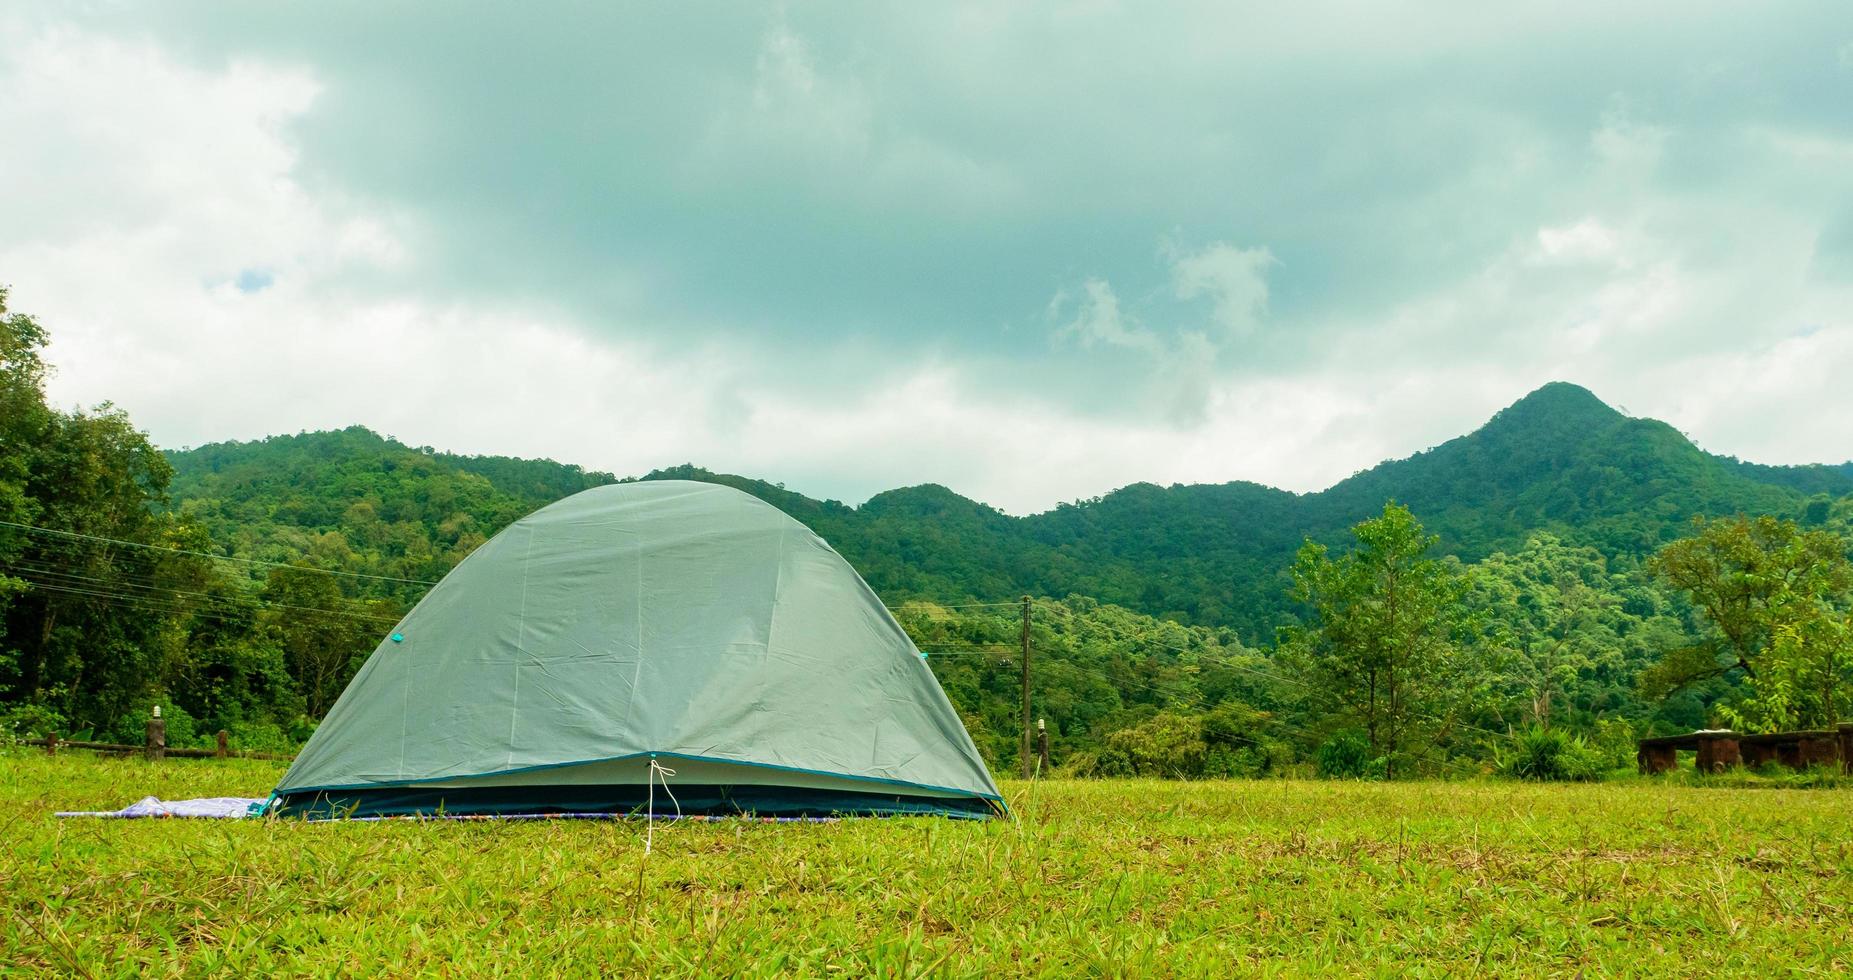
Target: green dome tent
pixel 685 624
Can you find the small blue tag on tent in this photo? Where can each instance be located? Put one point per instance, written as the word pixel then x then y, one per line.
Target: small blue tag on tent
pixel 398 637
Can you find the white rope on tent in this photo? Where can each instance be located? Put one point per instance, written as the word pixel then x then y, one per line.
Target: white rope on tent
pixel 657 771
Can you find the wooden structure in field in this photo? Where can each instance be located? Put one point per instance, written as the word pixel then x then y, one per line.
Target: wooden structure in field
pixel 1721 749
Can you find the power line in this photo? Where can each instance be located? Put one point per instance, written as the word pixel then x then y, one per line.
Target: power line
pixel 141 602
pixel 216 610
pixel 203 554
pixel 156 592
pixel 129 580
pixel 950 605
pixel 132 601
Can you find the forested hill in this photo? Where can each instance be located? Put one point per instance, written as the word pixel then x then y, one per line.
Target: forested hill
pixel 357 501
pixel 1214 554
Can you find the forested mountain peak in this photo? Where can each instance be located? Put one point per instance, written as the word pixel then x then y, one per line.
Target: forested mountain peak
pixel 1557 403
pixel 357 447
pixel 928 500
pixel 1559 459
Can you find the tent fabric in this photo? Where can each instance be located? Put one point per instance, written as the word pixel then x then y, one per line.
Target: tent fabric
pixel 685 620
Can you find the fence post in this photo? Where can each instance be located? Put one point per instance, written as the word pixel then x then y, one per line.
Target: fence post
pixel 157 735
pixel 51 743
pixel 1846 747
pixel 220 751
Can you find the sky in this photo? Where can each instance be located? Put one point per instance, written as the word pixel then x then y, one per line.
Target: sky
pixel 1030 251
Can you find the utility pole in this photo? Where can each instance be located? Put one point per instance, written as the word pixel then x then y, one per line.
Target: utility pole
pixel 1025 753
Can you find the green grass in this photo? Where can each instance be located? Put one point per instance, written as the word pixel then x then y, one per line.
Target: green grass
pixel 1129 877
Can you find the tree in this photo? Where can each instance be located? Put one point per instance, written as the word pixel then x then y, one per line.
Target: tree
pixel 106 602
pixel 324 636
pixel 1385 644
pixel 90 628
pixel 1554 609
pixel 1777 600
pixel 23 420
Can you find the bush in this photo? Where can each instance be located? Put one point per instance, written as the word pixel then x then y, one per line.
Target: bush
pixel 1168 745
pixel 132 728
pixel 29 721
pixel 252 736
pixel 1107 763
pixel 1614 744
pixel 301 729
pixel 1549 755
pixel 1346 755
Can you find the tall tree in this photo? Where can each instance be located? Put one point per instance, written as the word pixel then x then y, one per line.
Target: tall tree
pixel 23 421
pixel 96 603
pixel 1386 644
pixel 1777 599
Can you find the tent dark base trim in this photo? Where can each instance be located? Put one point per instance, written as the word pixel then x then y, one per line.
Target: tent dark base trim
pixel 694 799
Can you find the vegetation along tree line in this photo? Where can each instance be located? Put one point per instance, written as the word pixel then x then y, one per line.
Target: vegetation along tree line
pixel 1588 578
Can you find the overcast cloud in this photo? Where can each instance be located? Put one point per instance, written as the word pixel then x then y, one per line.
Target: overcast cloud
pixel 1033 252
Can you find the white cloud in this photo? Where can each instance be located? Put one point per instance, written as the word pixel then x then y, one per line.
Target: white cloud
pixel 1099 320
pixel 1588 240
pixel 1234 279
pixel 185 273
pixel 144 189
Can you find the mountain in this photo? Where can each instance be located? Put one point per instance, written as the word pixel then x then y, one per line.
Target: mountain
pixel 1211 554
pixel 1561 458
pixel 355 500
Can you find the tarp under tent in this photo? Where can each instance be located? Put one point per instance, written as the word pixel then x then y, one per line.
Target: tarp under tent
pixel 632 629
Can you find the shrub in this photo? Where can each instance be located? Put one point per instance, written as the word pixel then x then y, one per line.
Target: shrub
pixel 1346 755
pixel 1106 763
pixel 1236 744
pixel 1168 744
pixel 1614 744
pixel 251 736
pixel 132 728
pixel 28 721
pixel 1549 755
pixel 1263 758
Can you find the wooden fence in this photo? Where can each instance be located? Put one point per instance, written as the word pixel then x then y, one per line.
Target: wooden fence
pixel 156 747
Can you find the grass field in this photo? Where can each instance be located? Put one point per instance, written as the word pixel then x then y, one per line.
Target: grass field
pixel 1129 877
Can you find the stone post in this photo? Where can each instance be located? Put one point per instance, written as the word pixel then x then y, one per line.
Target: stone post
pixel 1654 759
pixel 1718 752
pixel 157 736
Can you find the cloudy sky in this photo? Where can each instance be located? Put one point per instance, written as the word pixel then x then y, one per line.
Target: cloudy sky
pixel 1030 251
